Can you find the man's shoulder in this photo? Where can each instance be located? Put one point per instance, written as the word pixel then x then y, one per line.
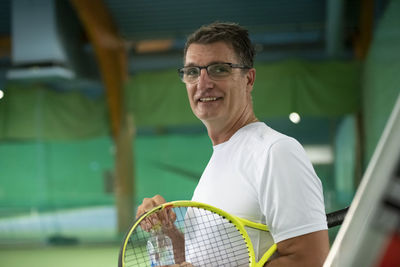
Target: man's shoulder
pixel 263 136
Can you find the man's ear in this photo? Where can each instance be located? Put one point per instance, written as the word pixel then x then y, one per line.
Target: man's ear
pixel 251 77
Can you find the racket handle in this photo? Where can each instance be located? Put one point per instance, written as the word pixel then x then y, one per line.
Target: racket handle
pixel 336 218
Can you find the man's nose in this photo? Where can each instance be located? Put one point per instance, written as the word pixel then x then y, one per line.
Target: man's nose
pixel 204 79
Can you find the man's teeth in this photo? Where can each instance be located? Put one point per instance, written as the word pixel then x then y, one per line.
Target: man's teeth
pixel 207 99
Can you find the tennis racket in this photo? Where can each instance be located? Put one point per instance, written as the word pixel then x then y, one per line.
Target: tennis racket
pixel 199 234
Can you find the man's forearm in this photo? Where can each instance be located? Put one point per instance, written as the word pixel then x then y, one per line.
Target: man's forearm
pixel 309 250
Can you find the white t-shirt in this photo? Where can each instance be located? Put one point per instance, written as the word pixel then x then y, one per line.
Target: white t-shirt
pixel 264 176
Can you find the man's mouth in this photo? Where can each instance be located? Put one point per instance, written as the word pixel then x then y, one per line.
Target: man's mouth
pixel 209 99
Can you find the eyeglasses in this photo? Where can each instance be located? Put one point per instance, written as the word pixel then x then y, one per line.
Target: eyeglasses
pixel 216 71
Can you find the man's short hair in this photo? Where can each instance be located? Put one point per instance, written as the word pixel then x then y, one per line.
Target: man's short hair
pixel 231 33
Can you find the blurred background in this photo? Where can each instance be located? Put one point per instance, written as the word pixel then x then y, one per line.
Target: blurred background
pixel 93 117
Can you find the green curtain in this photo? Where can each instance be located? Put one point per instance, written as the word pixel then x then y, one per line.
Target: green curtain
pixel 52 175
pixel 310 88
pixel 37 112
pixel 158 98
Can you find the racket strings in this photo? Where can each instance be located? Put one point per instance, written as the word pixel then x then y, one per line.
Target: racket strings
pixel 209 240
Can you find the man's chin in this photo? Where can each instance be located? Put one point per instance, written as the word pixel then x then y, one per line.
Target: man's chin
pixel 207 118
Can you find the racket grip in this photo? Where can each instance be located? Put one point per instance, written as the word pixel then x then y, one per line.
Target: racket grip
pixel 336 218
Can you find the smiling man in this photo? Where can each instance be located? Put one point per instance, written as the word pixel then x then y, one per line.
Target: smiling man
pixel 254 172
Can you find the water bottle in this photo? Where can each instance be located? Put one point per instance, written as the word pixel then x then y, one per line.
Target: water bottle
pixel 159 248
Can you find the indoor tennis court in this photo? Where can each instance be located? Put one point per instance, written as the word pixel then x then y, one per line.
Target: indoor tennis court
pixel 94 118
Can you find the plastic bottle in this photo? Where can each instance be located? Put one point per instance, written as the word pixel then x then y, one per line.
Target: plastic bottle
pixel 159 248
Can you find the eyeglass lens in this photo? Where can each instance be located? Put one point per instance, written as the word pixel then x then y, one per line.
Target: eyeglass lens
pixel 215 71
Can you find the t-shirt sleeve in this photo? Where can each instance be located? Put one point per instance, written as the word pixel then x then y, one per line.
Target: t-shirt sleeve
pixel 291 196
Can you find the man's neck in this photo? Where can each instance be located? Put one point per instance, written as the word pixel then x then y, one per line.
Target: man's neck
pixel 220 135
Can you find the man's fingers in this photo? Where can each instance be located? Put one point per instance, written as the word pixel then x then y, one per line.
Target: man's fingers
pixel 148 204
pixel 154 219
pixel 146 225
pixel 171 215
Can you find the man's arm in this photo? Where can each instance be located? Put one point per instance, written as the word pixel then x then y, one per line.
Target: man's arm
pixel 307 250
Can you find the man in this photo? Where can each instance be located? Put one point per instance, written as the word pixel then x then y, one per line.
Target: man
pixel 254 172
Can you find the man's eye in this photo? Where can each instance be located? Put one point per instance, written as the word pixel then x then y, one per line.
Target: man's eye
pixel 220 69
pixel 192 72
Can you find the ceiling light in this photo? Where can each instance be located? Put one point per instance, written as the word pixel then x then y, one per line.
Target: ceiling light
pixel 294 117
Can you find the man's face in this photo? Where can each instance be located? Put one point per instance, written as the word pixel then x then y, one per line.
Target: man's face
pixel 223 101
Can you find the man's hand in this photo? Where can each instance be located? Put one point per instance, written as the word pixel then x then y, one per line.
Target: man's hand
pixel 148 204
pixel 165 218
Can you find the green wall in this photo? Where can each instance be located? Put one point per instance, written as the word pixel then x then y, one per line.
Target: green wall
pixel 381 77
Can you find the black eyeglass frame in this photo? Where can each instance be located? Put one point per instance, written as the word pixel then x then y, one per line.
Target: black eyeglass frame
pixel 232 65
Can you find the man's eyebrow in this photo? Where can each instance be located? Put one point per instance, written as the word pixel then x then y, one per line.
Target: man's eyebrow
pixel 191 64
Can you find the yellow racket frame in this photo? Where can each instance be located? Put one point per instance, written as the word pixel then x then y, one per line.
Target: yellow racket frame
pixel 240 224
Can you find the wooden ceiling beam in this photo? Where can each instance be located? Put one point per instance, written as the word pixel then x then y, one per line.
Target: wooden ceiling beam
pixel 110 51
pixel 363 39
pixel 153 46
pixel 5 46
pixel 112 58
